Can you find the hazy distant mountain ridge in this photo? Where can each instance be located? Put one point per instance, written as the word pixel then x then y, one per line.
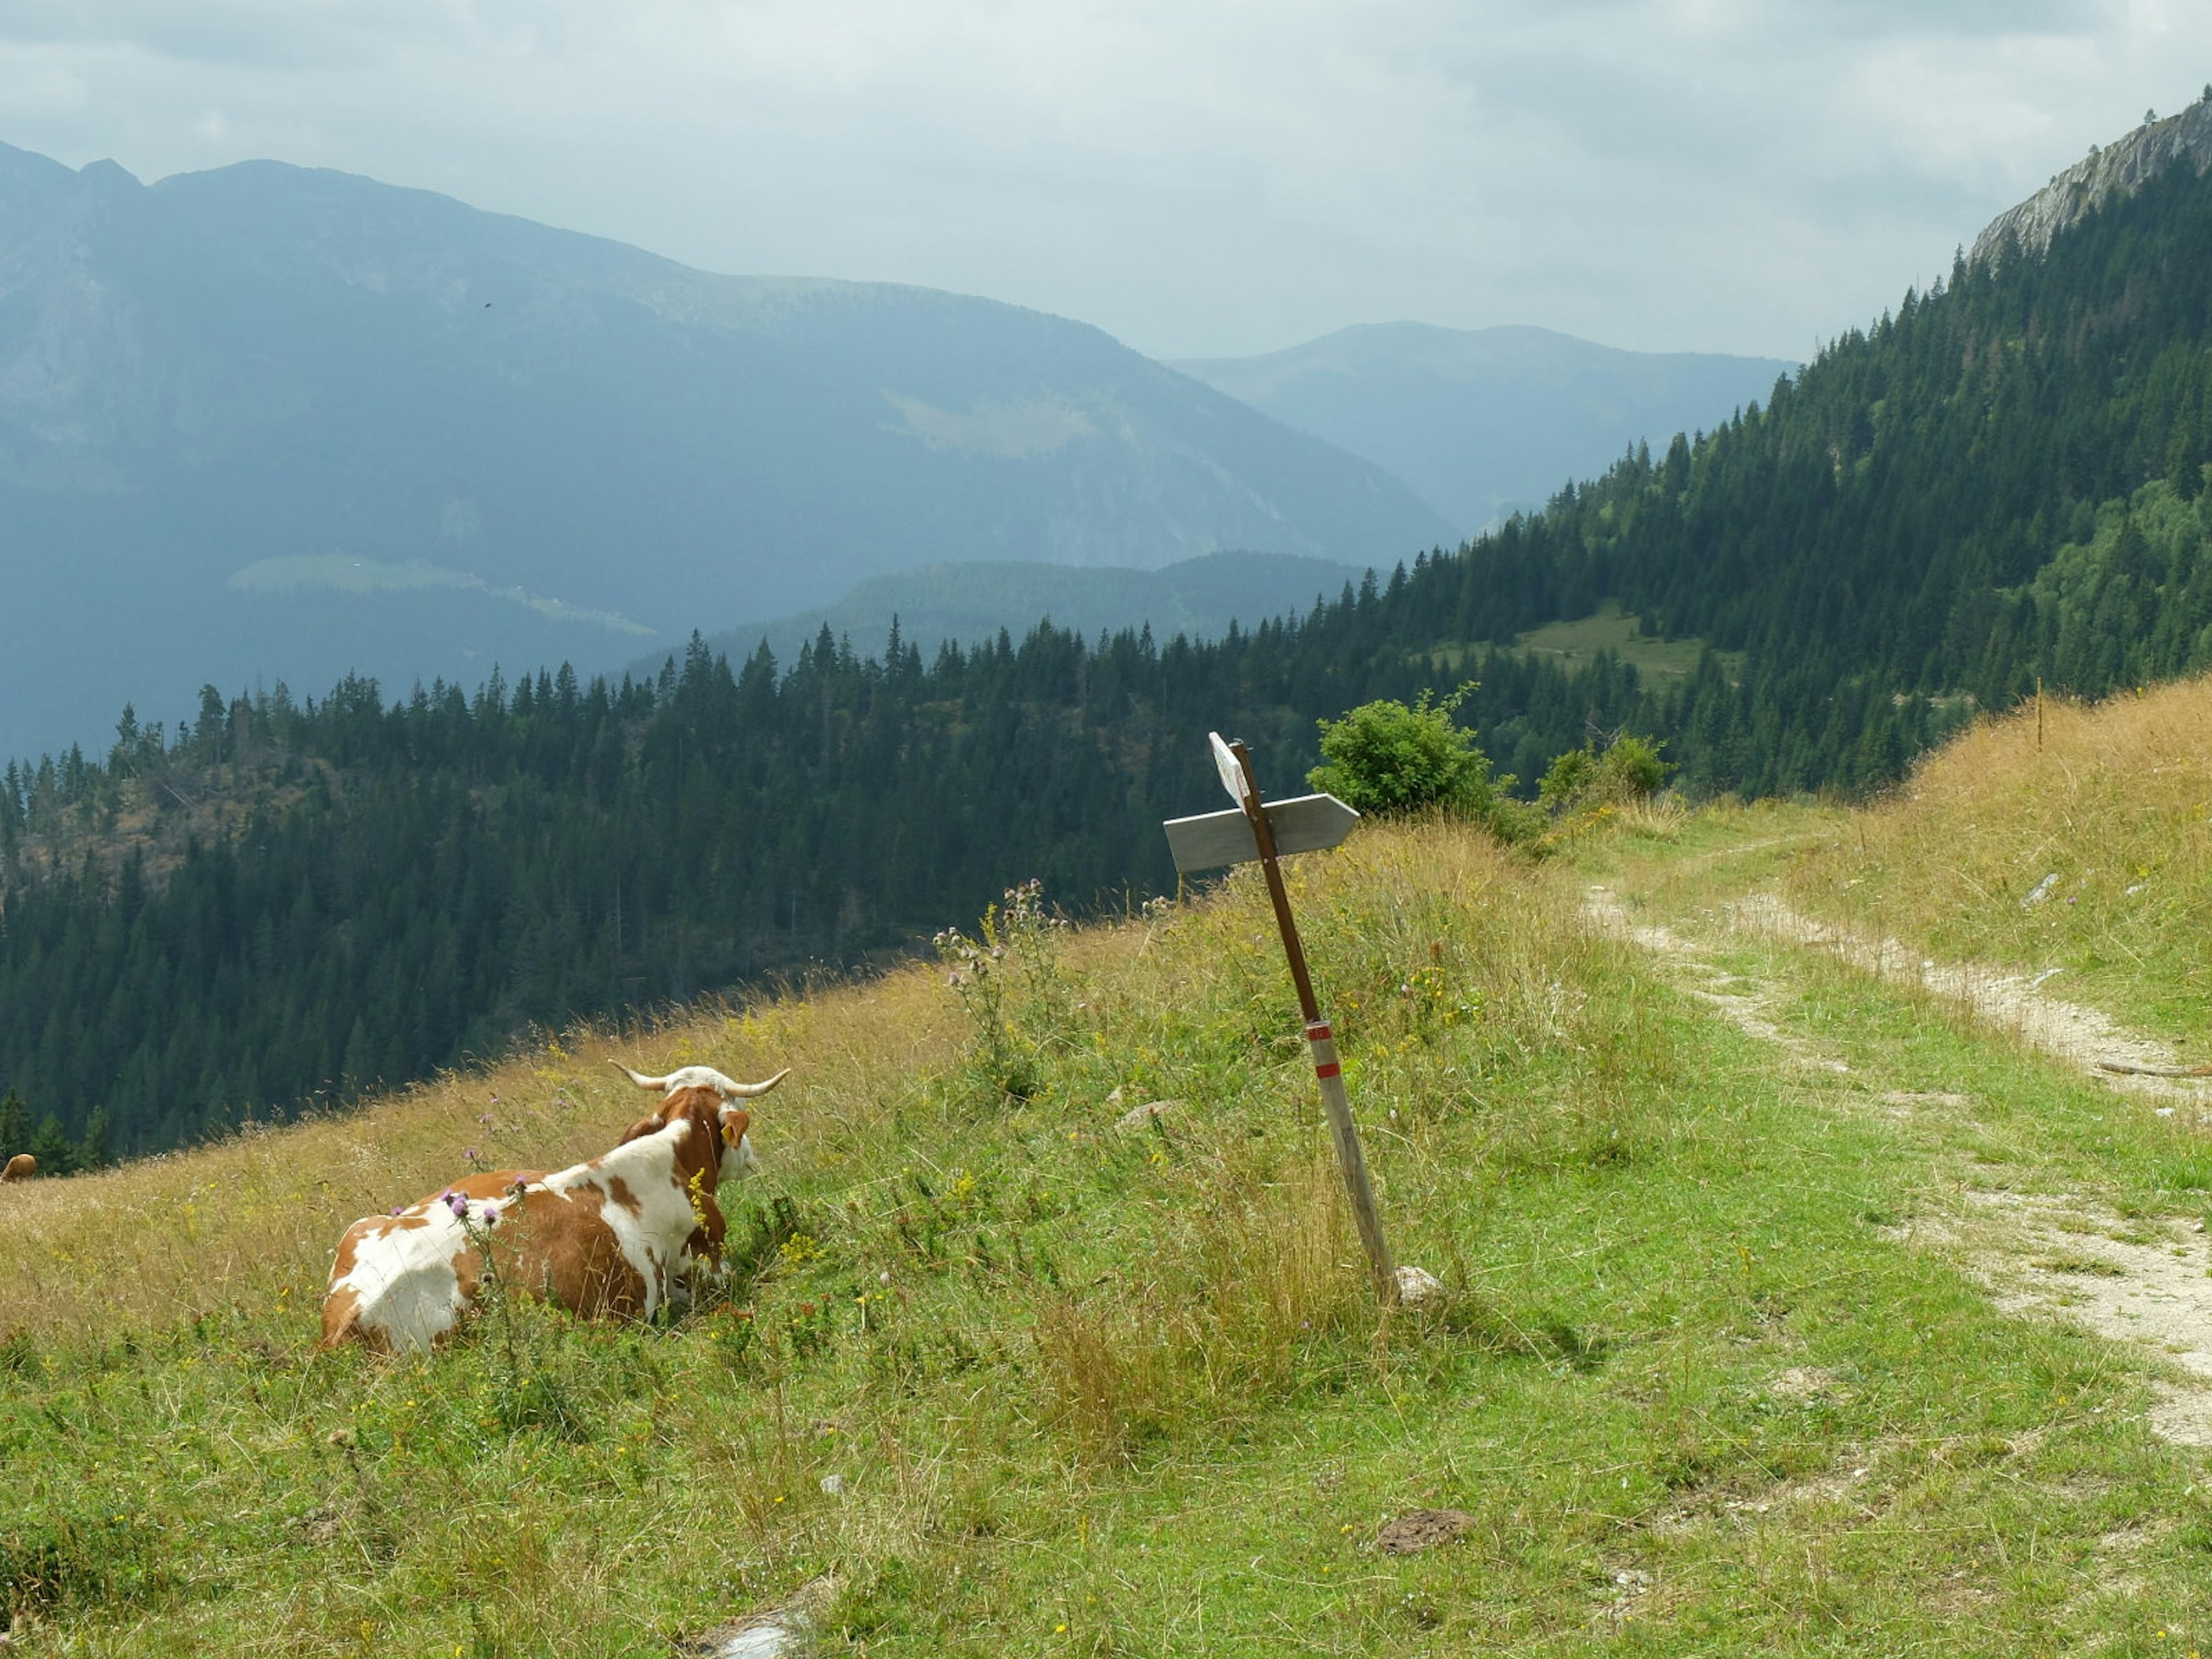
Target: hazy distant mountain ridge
pixel 966 603
pixel 272 422
pixel 1482 422
pixel 2118 168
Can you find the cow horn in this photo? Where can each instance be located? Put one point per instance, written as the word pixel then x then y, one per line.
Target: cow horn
pixel 639 1078
pixel 754 1091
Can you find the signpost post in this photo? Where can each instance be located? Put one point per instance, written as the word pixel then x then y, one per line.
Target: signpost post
pixel 1257 831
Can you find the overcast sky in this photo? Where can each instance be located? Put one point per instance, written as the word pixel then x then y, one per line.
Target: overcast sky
pixel 1198 177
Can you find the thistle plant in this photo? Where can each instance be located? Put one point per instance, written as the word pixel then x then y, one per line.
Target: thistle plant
pixel 526 1397
pixel 478 1222
pixel 1008 979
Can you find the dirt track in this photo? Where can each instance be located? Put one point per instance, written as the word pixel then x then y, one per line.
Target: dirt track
pixel 2069 1256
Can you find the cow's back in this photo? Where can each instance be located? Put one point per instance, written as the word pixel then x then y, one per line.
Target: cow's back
pixel 387 1288
pixel 399 1282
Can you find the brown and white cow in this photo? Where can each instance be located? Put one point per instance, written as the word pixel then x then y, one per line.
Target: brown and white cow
pixel 21 1167
pixel 606 1238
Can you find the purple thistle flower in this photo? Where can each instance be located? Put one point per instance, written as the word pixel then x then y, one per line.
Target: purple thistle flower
pixel 491 1215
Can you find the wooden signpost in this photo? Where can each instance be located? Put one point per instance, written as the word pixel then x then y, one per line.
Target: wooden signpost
pixel 1257 831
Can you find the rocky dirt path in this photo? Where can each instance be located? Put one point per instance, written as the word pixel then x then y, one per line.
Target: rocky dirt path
pixel 2068 1256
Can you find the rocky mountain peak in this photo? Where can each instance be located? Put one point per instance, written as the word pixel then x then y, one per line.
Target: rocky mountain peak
pixel 2108 170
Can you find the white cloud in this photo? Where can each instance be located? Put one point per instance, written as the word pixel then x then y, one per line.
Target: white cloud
pixel 1210 176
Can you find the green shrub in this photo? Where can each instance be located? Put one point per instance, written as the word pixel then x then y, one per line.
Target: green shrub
pixel 1567 779
pixel 1629 769
pixel 1389 760
pixel 1632 769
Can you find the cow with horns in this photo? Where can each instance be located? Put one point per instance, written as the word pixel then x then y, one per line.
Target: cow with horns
pixel 607 1237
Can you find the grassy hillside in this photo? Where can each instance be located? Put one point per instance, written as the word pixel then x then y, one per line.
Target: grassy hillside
pixel 1096 1388
pixel 2076 840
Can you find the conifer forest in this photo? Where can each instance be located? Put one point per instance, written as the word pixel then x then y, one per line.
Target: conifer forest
pixel 281 902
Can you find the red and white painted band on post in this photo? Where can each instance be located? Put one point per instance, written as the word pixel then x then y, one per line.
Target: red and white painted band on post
pixel 1324 1049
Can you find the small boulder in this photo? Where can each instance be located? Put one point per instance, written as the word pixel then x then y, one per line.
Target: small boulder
pixel 1144 1116
pixel 1416 1285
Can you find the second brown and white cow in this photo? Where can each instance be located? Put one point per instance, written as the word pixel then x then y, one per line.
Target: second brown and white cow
pixel 606 1238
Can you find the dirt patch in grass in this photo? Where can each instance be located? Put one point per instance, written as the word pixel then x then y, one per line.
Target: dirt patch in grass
pixel 2064 1258
pixel 1423 1529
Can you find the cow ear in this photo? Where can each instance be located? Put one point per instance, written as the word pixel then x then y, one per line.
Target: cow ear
pixel 644 1126
pixel 734 1125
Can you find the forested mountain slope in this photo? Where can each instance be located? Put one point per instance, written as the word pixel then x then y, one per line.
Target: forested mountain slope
pixel 2004 479
pixel 280 903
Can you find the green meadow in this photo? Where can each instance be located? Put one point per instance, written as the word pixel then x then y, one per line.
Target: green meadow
pixel 1005 1364
pixel 1574 645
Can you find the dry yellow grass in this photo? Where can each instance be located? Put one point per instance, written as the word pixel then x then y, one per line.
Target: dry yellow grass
pixel 251 1221
pixel 254 1220
pixel 2078 837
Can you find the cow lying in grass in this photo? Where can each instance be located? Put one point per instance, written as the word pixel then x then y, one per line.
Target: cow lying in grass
pixel 606 1238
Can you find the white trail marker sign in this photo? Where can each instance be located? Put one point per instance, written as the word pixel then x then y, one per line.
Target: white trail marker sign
pixel 1255 830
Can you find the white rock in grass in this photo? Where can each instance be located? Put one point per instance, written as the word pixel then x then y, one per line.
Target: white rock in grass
pixel 771 1640
pixel 776 1633
pixel 1144 1116
pixel 1416 1285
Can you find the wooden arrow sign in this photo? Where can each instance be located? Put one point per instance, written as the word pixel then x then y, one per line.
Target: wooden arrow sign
pixel 1262 832
pixel 1304 823
pixel 1231 769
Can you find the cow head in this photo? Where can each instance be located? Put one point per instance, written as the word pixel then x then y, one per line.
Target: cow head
pixel 701 1076
pixel 738 1159
pixel 717 1142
